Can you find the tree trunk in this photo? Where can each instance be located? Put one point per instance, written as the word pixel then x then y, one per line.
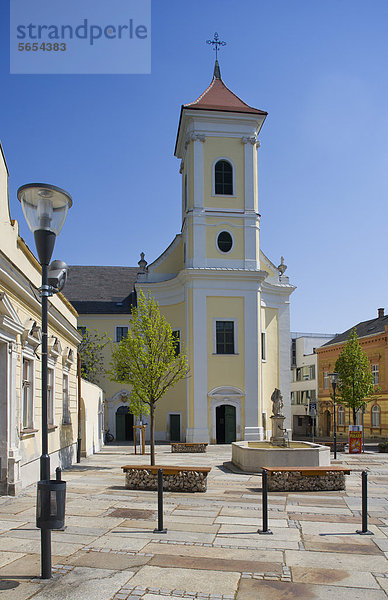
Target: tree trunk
pixel 152 434
pixel 354 416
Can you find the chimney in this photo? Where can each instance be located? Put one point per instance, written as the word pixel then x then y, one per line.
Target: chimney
pixel 380 312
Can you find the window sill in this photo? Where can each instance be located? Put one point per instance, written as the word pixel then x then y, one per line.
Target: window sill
pixel 28 432
pixel 231 354
pixel 224 196
pixel 52 427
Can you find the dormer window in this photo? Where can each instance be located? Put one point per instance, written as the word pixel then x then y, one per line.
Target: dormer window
pixel 223 178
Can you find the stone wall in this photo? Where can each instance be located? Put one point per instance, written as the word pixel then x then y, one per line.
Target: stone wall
pixel 294 481
pixel 181 481
pixel 181 447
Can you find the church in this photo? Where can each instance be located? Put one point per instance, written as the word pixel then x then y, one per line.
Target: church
pixel 227 303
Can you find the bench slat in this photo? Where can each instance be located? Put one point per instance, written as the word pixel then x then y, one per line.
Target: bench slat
pixel 310 470
pixel 167 469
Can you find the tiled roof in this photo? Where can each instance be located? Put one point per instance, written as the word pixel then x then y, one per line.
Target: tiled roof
pixel 101 290
pixel 363 329
pixel 219 97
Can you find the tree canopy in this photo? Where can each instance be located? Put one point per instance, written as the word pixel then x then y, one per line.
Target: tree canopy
pixel 90 350
pixel 355 386
pixel 147 360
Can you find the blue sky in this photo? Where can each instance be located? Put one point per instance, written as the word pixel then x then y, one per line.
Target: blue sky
pixel 320 70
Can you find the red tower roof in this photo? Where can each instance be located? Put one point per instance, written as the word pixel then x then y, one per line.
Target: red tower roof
pixel 219 97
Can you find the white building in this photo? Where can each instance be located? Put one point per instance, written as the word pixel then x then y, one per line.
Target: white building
pixel 304 378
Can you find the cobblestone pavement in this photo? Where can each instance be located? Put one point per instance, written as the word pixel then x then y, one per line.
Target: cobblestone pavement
pixel 109 550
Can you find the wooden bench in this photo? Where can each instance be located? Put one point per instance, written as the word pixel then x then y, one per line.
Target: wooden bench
pixel 340 445
pixel 188 447
pixel 175 479
pixel 301 479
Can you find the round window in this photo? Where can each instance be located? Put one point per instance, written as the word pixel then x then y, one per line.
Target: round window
pixel 224 241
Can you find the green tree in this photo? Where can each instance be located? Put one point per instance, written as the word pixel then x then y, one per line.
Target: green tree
pixel 355 386
pixel 90 350
pixel 147 360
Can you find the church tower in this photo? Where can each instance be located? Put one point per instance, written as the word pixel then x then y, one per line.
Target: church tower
pixel 217 143
pixel 227 302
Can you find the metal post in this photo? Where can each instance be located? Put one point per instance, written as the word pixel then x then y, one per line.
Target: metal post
pixel 364 530
pixel 160 503
pixel 45 458
pixel 335 422
pixel 58 474
pixel 363 436
pixel 264 486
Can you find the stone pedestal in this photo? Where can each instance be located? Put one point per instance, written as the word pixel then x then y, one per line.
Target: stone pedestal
pixel 277 430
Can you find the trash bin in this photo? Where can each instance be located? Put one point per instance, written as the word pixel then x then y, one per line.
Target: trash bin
pixel 50 505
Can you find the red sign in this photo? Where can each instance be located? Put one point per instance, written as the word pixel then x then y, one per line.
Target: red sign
pixel 355 442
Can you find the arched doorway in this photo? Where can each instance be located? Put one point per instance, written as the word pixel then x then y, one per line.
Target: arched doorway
pixel 124 424
pixel 225 424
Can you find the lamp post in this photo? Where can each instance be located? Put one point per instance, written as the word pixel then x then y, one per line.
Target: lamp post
pixel 45 209
pixel 334 378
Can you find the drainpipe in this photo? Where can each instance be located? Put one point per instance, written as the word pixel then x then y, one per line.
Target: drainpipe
pixel 79 407
pixel 261 375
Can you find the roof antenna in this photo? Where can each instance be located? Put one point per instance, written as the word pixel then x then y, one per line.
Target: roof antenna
pixel 216 43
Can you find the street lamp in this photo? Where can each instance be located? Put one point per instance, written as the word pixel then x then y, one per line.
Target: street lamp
pixel 45 208
pixel 334 378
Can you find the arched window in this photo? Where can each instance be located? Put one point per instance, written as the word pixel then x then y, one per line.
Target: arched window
pixel 341 415
pixel 223 178
pixel 375 416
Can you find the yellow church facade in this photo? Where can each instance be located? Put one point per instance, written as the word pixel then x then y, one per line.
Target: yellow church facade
pixel 226 302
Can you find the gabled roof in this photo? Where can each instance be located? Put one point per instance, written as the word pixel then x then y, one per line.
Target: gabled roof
pixel 218 96
pixel 363 329
pixel 101 290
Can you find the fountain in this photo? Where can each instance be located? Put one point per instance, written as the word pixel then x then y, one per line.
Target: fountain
pixel 279 451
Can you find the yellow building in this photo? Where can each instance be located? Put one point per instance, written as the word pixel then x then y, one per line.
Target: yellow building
pixel 373 339
pixel 20 364
pixel 227 303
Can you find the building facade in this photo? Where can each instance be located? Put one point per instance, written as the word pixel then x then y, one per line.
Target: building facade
pixel 227 303
pixel 304 380
pixel 373 339
pixel 20 364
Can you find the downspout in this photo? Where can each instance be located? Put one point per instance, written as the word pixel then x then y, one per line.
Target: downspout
pixel 261 374
pixel 79 408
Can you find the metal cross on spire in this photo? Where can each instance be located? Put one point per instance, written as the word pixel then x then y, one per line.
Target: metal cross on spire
pixel 216 43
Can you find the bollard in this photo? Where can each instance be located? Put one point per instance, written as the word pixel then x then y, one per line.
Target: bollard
pixel 58 474
pixel 160 503
pixel 364 530
pixel 265 530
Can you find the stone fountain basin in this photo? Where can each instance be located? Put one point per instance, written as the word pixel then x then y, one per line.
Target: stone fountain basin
pixel 255 456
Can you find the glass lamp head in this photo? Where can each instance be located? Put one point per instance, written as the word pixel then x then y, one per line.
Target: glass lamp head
pixel 334 377
pixel 44 206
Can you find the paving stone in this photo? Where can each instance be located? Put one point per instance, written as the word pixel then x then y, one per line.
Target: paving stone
pixel 83 583
pixel 279 590
pixel 330 518
pixel 332 560
pixel 338 577
pixel 205 581
pixel 101 560
pixel 216 564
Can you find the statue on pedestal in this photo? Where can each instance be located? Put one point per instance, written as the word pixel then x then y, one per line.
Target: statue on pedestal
pixel 277 403
pixel 277 418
